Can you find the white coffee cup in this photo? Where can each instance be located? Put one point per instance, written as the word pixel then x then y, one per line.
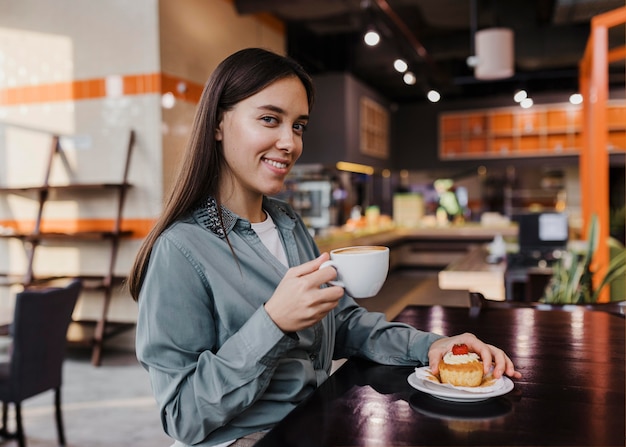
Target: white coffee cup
pixel 361 270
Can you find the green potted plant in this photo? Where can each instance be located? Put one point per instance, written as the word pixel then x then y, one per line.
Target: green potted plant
pixel 571 280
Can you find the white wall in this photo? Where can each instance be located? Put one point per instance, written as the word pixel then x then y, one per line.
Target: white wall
pixel 50 52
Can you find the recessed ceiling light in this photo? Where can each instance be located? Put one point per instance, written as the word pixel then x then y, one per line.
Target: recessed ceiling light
pixel 433 96
pixel 526 103
pixel 409 78
pixel 371 38
pixel 520 95
pixel 400 65
pixel 576 98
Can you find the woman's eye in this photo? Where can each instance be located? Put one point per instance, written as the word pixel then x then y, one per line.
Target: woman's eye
pixel 299 127
pixel 269 119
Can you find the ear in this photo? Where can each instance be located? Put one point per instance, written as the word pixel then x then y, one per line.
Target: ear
pixel 219 134
pixel 219 129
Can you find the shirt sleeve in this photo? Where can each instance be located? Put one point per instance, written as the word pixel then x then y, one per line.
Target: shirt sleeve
pixel 368 334
pixel 200 383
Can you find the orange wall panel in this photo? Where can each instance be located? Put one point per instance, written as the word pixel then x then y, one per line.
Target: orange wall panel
pixel 451 124
pixel 502 122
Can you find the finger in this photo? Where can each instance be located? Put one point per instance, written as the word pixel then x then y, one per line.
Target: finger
pixel 308 267
pixel 318 277
pixel 434 365
pixel 499 367
pixel 502 363
pixel 324 302
pixel 487 358
pixel 326 274
pixel 510 369
pixel 331 295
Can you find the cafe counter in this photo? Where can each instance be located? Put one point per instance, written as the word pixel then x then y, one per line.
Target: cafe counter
pixel 426 247
pixel 472 272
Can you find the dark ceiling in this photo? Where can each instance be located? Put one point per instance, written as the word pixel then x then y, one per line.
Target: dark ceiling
pixel 435 38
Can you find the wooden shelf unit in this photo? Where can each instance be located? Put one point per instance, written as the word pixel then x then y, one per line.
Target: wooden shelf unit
pixel 543 130
pixel 104 283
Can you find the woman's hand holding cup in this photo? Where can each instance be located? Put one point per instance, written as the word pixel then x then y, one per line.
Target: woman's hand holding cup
pixel 300 301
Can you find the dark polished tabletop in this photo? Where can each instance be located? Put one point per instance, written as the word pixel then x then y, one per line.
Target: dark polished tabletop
pixel 571 393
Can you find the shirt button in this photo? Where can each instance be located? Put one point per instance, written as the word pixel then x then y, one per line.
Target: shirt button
pixel 313 356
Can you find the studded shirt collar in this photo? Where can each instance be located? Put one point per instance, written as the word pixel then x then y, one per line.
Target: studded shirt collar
pixel 208 215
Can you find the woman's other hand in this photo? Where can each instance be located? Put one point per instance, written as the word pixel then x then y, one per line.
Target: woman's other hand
pixel 489 354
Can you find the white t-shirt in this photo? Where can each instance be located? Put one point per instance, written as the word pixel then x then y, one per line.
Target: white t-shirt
pixel 268 233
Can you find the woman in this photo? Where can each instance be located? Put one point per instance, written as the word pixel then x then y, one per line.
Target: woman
pixel 236 325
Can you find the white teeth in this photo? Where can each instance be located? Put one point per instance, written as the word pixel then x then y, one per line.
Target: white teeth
pixel 276 164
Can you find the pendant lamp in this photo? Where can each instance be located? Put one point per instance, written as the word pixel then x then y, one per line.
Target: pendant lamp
pixel 494 58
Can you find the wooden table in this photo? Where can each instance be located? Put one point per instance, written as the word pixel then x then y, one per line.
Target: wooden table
pixel 474 274
pixel 572 392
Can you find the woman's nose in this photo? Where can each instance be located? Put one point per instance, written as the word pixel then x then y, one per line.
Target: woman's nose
pixel 286 140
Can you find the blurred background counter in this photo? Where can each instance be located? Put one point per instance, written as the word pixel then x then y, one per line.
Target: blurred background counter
pixel 420 247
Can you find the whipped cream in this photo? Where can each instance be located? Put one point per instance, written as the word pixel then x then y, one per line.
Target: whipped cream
pixel 452 359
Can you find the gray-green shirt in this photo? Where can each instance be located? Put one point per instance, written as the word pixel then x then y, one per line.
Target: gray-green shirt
pixel 219 366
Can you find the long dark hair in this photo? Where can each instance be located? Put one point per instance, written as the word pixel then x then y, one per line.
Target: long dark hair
pixel 236 78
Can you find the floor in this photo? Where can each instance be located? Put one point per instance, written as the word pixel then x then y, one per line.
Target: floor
pixel 112 405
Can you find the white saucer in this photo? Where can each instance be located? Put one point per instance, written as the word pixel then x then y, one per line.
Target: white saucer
pixel 453 395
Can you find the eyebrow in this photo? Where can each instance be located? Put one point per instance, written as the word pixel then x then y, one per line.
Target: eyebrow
pixel 279 110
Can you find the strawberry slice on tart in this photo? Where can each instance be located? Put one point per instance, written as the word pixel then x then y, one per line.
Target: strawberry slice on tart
pixel 460 349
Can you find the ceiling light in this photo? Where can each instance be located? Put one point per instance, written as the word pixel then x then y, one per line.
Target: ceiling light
pixel 409 78
pixel 371 38
pixel 576 99
pixel 526 103
pixel 433 96
pixel 494 54
pixel 168 100
pixel 400 65
pixel 472 61
pixel 520 95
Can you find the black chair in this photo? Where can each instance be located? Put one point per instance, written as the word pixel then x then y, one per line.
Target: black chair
pixel 39 333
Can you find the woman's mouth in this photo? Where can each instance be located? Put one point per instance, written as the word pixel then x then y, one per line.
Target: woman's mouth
pixel 276 164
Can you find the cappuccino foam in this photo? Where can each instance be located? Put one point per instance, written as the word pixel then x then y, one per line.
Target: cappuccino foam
pixel 358 250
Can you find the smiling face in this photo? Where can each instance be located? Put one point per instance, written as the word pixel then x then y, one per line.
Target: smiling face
pixel 262 139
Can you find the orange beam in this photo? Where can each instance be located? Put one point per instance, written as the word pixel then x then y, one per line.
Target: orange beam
pixel 610 19
pixel 594 157
pixel 617 54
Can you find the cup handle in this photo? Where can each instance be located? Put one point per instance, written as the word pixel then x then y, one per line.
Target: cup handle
pixel 332 264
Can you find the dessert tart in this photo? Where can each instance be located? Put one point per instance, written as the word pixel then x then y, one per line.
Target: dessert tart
pixel 460 367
